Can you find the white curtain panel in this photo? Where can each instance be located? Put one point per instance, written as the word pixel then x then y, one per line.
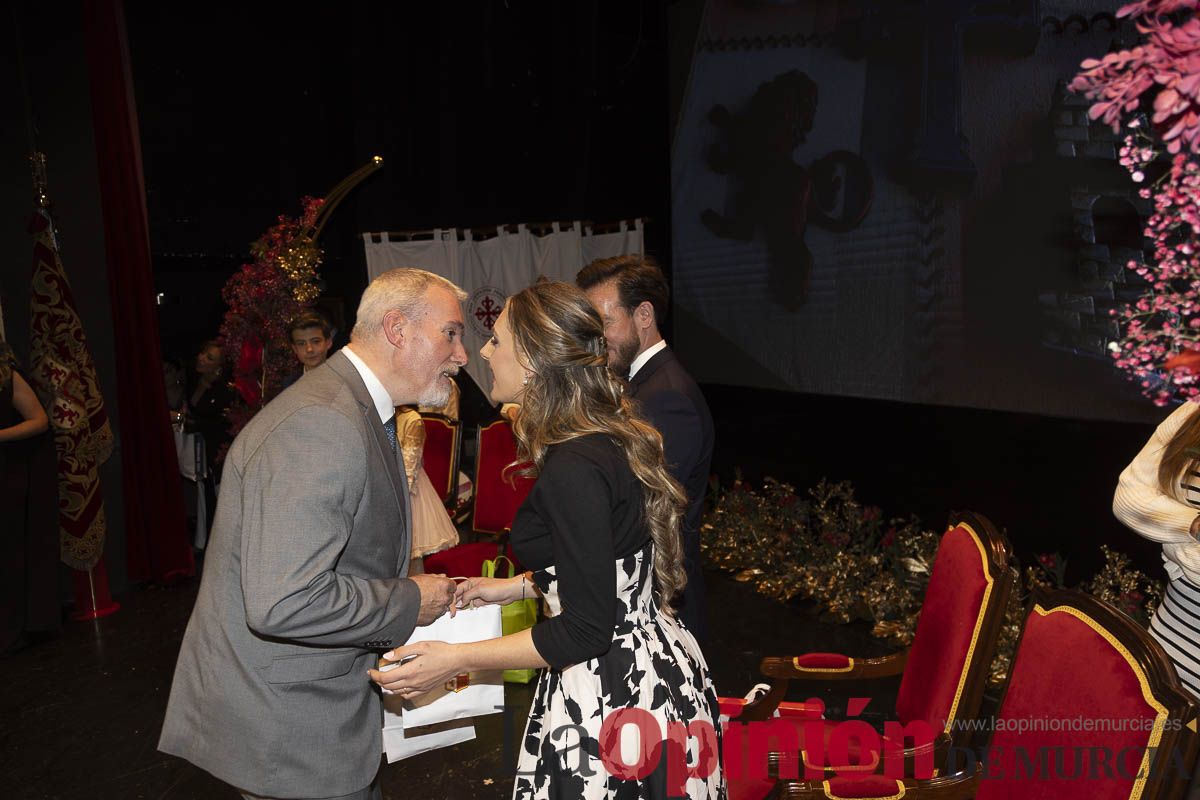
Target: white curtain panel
pixel 491 269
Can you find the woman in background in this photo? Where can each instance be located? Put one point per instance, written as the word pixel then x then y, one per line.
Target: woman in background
pixel 209 395
pixel 29 509
pixel 432 528
pixel 1158 496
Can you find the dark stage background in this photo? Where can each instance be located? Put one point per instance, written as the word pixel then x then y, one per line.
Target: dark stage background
pixel 499 112
pixel 484 113
pixel 902 201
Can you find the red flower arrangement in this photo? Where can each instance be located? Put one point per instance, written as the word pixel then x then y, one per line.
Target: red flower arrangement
pixel 263 297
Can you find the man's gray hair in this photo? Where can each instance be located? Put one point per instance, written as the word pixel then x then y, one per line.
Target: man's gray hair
pixel 402 289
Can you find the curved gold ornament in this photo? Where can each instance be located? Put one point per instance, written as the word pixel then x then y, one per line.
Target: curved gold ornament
pixel 301 259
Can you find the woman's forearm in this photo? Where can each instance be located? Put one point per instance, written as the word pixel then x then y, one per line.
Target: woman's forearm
pixel 34 419
pixel 515 651
pixel 23 430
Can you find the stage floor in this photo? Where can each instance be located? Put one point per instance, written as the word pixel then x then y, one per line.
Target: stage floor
pixel 82 713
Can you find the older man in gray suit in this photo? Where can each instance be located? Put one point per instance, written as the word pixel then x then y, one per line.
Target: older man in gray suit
pixel 305 574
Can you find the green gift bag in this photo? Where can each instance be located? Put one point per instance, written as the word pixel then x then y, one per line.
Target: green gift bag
pixel 515 616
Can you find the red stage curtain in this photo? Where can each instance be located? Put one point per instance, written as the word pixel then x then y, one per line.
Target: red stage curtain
pixel 155 527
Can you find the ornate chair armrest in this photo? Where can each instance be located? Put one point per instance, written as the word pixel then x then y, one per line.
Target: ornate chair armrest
pixel 815 666
pixel 765 705
pixel 833 666
pixel 733 707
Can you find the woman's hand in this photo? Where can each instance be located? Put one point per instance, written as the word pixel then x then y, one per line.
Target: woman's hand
pixel 433 665
pixel 477 592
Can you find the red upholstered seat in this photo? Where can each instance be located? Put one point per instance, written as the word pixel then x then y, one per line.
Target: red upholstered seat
pixel 1067 669
pixel 466 560
pixel 861 787
pixel 823 662
pixel 948 631
pixel 440 455
pixel 499 491
pixel 1093 710
pixel 944 672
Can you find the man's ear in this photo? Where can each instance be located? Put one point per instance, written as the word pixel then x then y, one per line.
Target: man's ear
pixel 643 315
pixel 395 325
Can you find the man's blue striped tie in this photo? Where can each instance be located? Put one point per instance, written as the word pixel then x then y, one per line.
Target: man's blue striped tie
pixel 389 427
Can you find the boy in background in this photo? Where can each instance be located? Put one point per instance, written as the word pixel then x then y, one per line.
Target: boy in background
pixel 311 336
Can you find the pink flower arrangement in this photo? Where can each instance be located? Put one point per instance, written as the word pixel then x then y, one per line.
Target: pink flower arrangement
pixel 1160 347
pixel 1169 58
pixel 1162 328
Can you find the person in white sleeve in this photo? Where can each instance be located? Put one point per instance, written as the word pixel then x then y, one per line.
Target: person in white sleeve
pixel 1158 496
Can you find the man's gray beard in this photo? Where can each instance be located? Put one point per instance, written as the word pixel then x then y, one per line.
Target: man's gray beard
pixel 436 397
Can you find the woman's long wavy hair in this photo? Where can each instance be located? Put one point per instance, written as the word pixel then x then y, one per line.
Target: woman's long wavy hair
pixel 1179 454
pixel 559 337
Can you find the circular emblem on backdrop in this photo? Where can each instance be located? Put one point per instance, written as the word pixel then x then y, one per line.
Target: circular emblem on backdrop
pixel 482 309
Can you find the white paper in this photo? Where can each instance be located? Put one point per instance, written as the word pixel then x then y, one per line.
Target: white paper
pixel 398 746
pixel 442 717
pixel 484 695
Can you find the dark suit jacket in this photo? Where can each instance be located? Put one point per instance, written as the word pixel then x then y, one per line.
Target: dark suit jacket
pixel 673 403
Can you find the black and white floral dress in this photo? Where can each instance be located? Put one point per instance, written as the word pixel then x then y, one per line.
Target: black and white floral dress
pixel 609 647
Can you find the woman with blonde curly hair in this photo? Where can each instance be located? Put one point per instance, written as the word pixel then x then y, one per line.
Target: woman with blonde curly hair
pixel 600 529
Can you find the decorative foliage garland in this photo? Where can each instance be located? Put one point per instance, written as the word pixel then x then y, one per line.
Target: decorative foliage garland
pixel 263 297
pixel 856 565
pixel 825 547
pixel 1160 330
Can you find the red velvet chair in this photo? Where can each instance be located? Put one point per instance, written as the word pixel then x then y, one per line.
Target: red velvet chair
pixel 440 455
pixel 1079 663
pixel 466 560
pixel 944 671
pixel 499 492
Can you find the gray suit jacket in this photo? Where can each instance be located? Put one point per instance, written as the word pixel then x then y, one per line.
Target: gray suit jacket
pixel 301 583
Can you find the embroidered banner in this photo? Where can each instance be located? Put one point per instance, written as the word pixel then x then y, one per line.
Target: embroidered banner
pixel 64 377
pixel 490 269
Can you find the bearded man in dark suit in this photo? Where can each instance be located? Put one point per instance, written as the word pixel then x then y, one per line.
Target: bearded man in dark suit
pixel 631 294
